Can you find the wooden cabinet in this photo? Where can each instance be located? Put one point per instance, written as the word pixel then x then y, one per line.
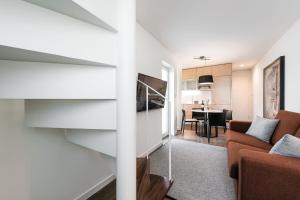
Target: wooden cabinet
pixel 221 90
pixel 188 74
pixel 201 71
pixel 222 70
pixel 216 70
pixel 190 84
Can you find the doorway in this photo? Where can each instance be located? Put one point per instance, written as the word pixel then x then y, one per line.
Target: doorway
pixel 165 110
pixel 167 74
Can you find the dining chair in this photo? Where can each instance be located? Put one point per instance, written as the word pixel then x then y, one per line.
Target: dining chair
pixel 228 117
pixel 185 120
pixel 215 120
pixel 200 116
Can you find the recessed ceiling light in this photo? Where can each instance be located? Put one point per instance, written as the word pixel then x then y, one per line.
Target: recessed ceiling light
pixel 242 65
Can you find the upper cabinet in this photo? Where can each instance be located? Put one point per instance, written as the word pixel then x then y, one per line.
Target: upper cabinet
pixel 222 70
pixel 221 90
pixel 215 70
pixel 201 71
pixel 188 74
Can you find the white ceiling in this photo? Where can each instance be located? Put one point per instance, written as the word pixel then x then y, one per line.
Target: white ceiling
pixel 228 31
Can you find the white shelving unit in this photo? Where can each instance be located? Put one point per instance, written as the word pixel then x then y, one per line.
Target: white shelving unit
pixel 36 80
pixel 103 141
pixel 80 10
pixel 61 56
pixel 19 54
pixel 75 93
pixel 71 114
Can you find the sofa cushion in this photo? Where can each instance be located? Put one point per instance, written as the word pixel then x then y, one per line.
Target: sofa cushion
pixel 233 149
pixel 288 145
pixel 289 123
pixel 263 128
pixel 246 139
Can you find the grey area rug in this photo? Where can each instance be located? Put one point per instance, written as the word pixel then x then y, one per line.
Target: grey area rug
pixel 200 171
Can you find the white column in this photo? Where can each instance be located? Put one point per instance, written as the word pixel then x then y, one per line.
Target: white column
pixel 126 102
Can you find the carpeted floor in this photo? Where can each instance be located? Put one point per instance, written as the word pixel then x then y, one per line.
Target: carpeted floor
pixel 199 171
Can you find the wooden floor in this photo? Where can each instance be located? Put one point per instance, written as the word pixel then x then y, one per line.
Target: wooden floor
pixel 109 192
pixel 191 135
pixel 149 186
pixel 106 193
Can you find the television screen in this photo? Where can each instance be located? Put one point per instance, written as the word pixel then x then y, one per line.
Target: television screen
pixel 155 101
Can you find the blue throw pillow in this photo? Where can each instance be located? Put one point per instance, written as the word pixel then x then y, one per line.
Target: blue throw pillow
pixel 262 128
pixel 288 145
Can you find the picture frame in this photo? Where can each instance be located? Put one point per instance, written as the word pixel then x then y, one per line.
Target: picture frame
pixel 273 88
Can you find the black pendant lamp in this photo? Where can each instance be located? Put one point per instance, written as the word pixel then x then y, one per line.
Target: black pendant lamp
pixel 206 80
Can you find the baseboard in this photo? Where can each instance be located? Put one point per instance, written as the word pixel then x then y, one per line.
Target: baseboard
pixel 152 149
pixel 88 193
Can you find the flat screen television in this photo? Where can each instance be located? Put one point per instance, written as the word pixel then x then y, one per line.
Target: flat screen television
pixel 155 101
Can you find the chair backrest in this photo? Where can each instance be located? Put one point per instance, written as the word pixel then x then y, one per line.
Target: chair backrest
pixel 228 114
pixel 183 115
pixel 216 119
pixel 198 115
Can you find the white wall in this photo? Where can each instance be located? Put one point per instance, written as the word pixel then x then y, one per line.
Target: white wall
pixel 150 54
pixel 288 46
pixel 242 95
pixel 14 182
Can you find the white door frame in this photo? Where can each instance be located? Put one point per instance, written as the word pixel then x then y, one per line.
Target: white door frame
pixel 171 99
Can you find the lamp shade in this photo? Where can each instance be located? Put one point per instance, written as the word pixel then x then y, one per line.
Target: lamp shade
pixel 206 80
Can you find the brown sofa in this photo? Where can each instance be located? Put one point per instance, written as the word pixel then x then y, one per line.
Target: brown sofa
pixel 260 175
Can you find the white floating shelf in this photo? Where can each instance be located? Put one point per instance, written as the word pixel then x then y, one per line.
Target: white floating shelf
pixel 34 80
pixel 79 10
pixel 71 114
pixel 18 54
pixel 97 140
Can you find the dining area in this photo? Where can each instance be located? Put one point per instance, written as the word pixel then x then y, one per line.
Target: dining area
pixel 205 124
pixel 206 99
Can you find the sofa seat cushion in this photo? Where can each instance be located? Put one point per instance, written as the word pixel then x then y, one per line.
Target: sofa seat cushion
pixel 233 149
pixel 289 123
pixel 246 139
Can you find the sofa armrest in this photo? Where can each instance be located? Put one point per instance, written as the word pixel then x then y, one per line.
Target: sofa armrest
pixel 264 176
pixel 239 126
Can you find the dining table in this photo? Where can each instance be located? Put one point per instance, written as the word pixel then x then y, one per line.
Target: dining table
pixel 206 121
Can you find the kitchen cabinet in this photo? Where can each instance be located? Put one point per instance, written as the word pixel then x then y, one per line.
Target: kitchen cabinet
pixel 222 70
pixel 191 84
pixel 189 74
pixel 201 71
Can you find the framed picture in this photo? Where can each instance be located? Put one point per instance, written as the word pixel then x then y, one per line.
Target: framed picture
pixel 273 88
